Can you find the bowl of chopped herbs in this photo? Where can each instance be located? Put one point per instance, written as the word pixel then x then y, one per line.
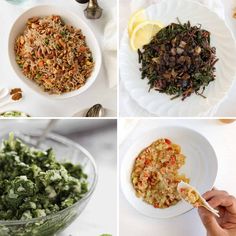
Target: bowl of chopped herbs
pixel 43 188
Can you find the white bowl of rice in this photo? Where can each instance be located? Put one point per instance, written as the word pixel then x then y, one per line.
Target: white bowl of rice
pixel 54 52
pixel 200 168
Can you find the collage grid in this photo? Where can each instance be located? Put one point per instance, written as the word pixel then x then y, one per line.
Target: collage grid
pixel 117 117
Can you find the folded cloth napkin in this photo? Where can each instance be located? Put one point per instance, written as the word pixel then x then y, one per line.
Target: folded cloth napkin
pixel 128 107
pixel 110 47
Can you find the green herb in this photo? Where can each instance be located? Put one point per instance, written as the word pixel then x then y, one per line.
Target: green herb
pixel 179 60
pixel 20 65
pixel 33 184
pixel 63 33
pixel 46 41
pixel 58 47
pixel 38 75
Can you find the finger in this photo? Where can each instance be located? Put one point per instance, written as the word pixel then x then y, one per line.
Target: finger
pixel 209 194
pixel 209 221
pixel 228 225
pixel 229 202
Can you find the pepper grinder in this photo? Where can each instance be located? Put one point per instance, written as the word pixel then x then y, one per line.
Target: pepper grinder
pixel 93 11
pixel 82 1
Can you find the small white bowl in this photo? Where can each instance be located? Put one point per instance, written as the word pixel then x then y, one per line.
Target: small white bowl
pixel 201 167
pixel 69 18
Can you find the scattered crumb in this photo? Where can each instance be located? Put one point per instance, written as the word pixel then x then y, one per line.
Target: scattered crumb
pixel 15 90
pixel 234 13
pixel 16 96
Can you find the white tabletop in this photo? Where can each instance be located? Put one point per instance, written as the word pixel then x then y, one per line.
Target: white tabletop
pixel 100 215
pixel 37 105
pixel 128 107
pixel 222 137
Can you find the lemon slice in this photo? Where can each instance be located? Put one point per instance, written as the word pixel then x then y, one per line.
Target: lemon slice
pixel 136 18
pixel 143 33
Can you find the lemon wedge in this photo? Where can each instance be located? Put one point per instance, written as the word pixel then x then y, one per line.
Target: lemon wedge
pixel 143 33
pixel 136 18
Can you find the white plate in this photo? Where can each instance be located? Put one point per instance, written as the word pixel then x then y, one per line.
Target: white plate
pixel 221 37
pixel 201 167
pixel 69 18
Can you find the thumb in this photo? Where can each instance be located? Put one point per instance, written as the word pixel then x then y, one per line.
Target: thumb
pixel 209 221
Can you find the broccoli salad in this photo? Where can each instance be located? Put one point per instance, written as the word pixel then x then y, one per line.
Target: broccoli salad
pixel 34 184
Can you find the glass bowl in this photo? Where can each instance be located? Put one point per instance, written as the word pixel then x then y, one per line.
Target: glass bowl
pixel 65 150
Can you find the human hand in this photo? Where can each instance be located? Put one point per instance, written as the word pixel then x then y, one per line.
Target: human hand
pixel 225 225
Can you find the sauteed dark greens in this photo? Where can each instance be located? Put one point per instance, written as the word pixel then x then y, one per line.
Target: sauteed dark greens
pixel 179 60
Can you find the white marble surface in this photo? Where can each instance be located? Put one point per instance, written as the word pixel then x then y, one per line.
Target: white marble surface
pixel 221 136
pixel 129 108
pixel 35 104
pixel 100 215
